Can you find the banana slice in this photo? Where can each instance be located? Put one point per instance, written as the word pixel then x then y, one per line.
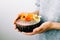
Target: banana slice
pixel 36 18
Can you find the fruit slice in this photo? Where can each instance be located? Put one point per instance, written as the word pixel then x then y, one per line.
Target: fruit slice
pixel 36 18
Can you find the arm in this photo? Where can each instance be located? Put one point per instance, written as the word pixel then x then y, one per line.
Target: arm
pixel 55 25
pixel 44 27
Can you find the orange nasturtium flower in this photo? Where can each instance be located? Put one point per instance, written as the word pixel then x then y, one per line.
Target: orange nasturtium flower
pixel 26 17
pixel 29 17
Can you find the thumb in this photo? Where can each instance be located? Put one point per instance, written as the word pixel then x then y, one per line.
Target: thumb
pixel 39 29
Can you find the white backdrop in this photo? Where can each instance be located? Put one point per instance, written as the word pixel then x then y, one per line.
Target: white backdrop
pixel 8 11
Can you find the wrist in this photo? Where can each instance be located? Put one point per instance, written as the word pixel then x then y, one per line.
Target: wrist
pixel 55 25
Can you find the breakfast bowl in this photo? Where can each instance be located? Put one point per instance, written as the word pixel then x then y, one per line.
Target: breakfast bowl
pixel 28 22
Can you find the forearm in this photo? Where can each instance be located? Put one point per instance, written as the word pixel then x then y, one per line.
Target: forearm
pixel 55 25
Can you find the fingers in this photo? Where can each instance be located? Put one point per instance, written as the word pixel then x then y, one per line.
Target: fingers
pixel 37 30
pixel 15 22
pixel 30 33
pixel 16 29
pixel 34 32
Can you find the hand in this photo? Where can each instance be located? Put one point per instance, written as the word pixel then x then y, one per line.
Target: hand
pixel 44 27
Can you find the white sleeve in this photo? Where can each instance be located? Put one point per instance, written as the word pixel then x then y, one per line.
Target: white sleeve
pixel 37 5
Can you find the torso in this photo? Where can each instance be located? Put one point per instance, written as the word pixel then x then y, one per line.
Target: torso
pixel 50 10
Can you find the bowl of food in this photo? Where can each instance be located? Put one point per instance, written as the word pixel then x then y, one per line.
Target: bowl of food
pixel 28 22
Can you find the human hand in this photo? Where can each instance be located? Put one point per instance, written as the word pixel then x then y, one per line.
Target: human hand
pixel 44 27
